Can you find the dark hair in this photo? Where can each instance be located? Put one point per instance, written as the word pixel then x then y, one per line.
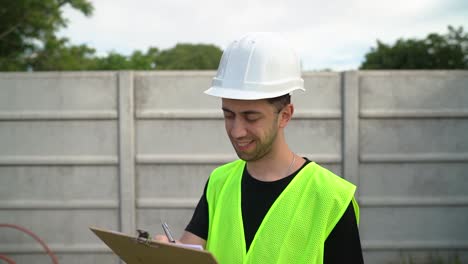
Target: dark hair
pixel 280 102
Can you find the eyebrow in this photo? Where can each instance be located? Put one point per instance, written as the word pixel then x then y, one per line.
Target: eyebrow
pixel 248 112
pixel 226 110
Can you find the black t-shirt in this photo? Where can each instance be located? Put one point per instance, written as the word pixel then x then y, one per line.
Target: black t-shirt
pixel 342 245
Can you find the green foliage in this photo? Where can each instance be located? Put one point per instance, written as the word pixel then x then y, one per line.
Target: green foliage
pixel 189 57
pixel 28 42
pixel 136 61
pixel 57 55
pixel 113 61
pixel 140 61
pixel 26 26
pixel 449 51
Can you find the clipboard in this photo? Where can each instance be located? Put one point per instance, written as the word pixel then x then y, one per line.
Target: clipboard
pixel 133 250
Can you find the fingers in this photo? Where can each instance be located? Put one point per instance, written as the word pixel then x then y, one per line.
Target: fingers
pixel 161 238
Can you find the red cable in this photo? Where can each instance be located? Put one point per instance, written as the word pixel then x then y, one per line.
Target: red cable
pixel 7 259
pixel 38 239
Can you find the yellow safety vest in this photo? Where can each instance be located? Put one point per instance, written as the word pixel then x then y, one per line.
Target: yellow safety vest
pixel 296 226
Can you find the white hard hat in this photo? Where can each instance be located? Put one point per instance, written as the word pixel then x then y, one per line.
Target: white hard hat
pixel 257 66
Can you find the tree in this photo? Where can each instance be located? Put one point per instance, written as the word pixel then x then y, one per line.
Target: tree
pixel 449 51
pixel 137 61
pixel 113 61
pixel 28 41
pixel 58 55
pixel 26 26
pixel 189 57
pixel 141 61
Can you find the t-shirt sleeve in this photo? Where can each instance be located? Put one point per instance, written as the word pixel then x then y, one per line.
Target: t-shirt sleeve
pixel 198 225
pixel 343 245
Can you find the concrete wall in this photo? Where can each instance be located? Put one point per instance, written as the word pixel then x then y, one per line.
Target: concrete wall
pixel 125 150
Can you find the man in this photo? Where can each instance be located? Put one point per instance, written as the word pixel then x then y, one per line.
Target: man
pixel 271 205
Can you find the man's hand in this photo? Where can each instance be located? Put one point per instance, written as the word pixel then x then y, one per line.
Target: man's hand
pixel 187 238
pixel 163 238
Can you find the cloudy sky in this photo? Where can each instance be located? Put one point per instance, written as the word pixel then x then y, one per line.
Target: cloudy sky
pixel 326 34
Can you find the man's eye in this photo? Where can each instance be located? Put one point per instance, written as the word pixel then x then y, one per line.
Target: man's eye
pixel 228 116
pixel 252 118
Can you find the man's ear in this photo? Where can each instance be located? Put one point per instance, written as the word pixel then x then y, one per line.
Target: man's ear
pixel 286 115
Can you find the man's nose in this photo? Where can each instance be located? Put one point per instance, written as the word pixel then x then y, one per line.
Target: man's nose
pixel 238 128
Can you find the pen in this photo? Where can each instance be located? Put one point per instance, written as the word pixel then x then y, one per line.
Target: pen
pixel 168 232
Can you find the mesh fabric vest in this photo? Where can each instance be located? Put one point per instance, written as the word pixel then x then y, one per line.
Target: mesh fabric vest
pixel 294 229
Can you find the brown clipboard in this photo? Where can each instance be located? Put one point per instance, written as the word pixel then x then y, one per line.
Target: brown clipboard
pixel 136 251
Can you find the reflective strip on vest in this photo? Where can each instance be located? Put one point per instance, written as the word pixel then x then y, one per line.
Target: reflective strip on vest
pixel 294 229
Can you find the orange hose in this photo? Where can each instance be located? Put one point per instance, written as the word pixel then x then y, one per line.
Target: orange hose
pixel 37 238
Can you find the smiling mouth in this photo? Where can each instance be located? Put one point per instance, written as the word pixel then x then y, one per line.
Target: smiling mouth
pixel 244 145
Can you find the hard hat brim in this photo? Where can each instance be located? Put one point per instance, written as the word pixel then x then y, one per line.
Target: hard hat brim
pixel 233 93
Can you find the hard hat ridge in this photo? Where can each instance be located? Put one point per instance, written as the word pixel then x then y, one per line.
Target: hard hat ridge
pixel 257 66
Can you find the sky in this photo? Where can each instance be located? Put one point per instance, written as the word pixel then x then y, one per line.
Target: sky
pixel 326 34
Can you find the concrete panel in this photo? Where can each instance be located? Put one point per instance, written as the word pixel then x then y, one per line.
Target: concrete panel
pixel 412 91
pixel 172 181
pixel 126 148
pixel 323 92
pixel 162 181
pixel 350 127
pixel 410 136
pixel 416 256
pixel 181 137
pixel 318 137
pixel 59 155
pixel 58 183
pixel 60 91
pixel 414 180
pixel 163 90
pixel 40 138
pixel 173 91
pixel 65 227
pixel 335 168
pixel 398 225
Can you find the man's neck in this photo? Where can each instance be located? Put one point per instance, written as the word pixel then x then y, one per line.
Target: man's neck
pixel 273 166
